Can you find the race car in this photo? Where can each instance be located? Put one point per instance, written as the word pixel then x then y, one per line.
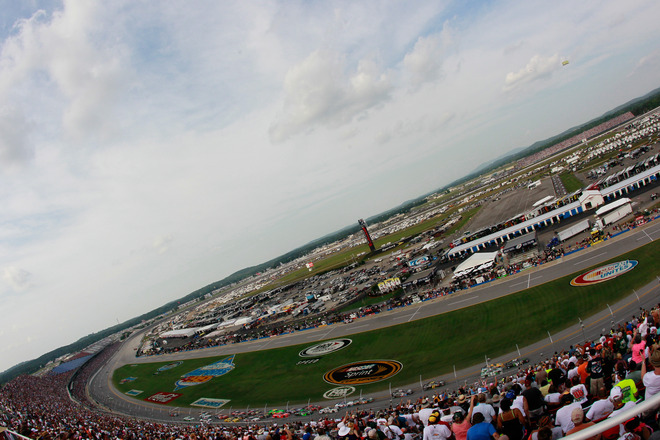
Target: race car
pixel 434 384
pixel 401 393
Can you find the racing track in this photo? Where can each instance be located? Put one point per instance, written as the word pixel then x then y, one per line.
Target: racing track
pixel 102 391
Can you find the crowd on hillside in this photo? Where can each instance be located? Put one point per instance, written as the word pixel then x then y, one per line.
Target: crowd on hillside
pixel 567 393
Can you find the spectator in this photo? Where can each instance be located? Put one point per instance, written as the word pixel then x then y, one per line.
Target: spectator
pixel 577 416
pixel 651 379
pixel 510 421
pixel 483 408
pixel 481 430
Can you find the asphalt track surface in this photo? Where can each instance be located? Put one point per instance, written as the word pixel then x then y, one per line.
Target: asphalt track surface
pixel 102 391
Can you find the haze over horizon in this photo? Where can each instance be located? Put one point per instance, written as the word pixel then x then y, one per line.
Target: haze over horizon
pixel 149 149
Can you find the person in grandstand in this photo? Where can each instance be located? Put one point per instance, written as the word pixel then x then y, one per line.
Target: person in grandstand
pixel 577 416
pixel 563 415
pixel 436 430
pixel 481 430
pixel 483 408
pixel 651 379
pixel 510 420
pixel 579 391
pixel 602 409
pixel 619 407
pixel 461 422
pixel 534 397
pixel 628 387
pixel 545 424
pixel 595 370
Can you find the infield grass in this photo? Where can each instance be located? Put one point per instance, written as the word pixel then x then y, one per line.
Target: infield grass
pixel 427 347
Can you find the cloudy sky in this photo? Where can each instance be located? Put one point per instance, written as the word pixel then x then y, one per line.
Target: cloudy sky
pixel 150 148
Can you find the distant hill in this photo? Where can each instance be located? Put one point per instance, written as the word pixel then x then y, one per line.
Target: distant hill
pixel 636 106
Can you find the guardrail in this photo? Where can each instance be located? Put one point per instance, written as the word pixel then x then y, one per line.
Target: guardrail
pixel 647 405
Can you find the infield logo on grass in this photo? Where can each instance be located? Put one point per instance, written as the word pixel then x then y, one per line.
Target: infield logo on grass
pixel 169 366
pixel 363 372
pixel 326 347
pixel 206 373
pixel 339 392
pixel 604 273
pixel 162 397
pixel 207 402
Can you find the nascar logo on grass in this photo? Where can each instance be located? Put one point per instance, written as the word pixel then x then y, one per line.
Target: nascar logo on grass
pixel 604 273
pixel 325 347
pixel 206 373
pixel 358 373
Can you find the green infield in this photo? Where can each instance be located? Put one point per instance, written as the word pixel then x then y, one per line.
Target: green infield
pixel 427 347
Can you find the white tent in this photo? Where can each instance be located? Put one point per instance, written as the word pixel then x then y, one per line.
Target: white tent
pixel 181 333
pixel 476 260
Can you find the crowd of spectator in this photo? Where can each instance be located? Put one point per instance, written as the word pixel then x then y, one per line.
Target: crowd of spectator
pixel 587 134
pixel 566 393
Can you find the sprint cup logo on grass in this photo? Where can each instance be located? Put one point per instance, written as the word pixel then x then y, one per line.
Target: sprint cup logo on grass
pixel 360 373
pixel 325 347
pixel 604 273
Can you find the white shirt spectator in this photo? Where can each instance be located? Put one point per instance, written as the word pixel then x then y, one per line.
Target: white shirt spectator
pixel 485 409
pixel 436 432
pixel 652 383
pixel 600 409
pixel 563 416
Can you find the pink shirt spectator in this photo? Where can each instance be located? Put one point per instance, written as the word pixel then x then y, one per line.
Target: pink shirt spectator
pixel 638 352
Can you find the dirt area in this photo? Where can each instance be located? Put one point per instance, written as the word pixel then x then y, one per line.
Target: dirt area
pixel 511 203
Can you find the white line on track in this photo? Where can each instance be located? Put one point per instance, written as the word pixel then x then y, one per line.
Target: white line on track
pixel 526 283
pixel 413 315
pixel 642 238
pixel 463 300
pixel 590 258
pixel 359 326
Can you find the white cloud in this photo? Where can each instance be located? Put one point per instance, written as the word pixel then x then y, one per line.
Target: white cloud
pixel 18 279
pixel 15 148
pixel 319 91
pixel 80 77
pixel 424 63
pixel 537 68
pixel 648 63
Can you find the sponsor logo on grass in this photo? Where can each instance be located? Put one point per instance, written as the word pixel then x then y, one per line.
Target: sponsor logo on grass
pixel 208 402
pixel 308 361
pixel 363 372
pixel 604 273
pixel 127 379
pixel 162 397
pixel 339 392
pixel 325 347
pixel 170 366
pixel 206 373
pixel 134 392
